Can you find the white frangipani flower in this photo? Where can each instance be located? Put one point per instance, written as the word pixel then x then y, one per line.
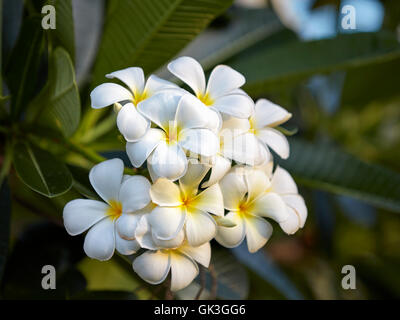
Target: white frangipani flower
pixel 154 266
pixel 236 143
pixel 184 207
pixel 283 184
pixel 131 123
pixel 247 140
pixel 120 196
pixel 183 123
pixel 245 196
pixel 221 92
pixel 266 116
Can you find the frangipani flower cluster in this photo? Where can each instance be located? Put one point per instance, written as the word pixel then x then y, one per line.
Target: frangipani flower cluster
pixel 210 167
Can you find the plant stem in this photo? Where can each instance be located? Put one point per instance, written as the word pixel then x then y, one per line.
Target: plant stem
pixel 202 283
pixel 214 285
pixel 87 153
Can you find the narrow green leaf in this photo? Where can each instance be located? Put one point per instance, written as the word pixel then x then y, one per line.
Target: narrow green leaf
pixel 327 168
pixel 148 33
pixel 297 60
pixel 231 279
pixel 64 33
pixel 246 28
pixel 264 266
pixel 40 170
pixel 23 66
pixel 58 105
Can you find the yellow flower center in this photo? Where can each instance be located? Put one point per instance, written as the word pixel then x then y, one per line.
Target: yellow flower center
pixel 139 96
pixel 205 98
pixel 115 209
pixel 243 208
pixel 252 126
pixel 172 133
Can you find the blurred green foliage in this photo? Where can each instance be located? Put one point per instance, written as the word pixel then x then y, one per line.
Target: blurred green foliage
pixel 50 137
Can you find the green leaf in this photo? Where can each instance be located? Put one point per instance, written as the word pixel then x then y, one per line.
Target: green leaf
pixel 373 82
pixel 231 279
pixel 40 170
pixel 22 71
pixel 264 266
pixel 5 212
pixel 298 60
pixel 108 275
pixel 246 28
pixel 58 105
pixel 149 33
pixel 324 167
pixel 63 35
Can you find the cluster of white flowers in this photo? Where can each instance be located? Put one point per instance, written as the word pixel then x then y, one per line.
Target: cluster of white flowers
pixel 189 142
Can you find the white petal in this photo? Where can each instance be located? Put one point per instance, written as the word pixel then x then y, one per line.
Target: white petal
pixel 267 168
pixel 283 183
pixel 257 183
pixel 135 193
pixel 269 114
pixel 189 71
pixel 189 183
pixel 155 84
pixel 276 140
pixel 236 105
pixel 223 80
pixel 152 266
pixel 153 176
pixel 107 94
pixel 168 161
pixel 200 227
pixel 238 126
pixel 172 243
pixel 127 224
pixel 106 178
pixel 144 235
pixel 131 123
pixel 233 190
pixel 126 247
pixel 243 148
pixel 232 237
pixel 218 171
pixel 292 223
pixel 210 200
pixel 80 214
pixel 199 141
pixel 297 203
pixel 161 108
pixel 165 193
pixel 192 113
pixel 166 222
pixel 183 271
pixel 264 155
pixel 214 122
pixel 139 151
pixel 133 77
pixel 100 240
pixel 271 206
pixel 202 254
pixel 258 231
